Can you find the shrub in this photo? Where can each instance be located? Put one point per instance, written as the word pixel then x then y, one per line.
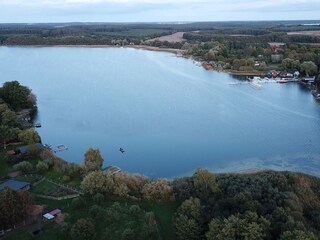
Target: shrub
pixel 42 167
pixel 24 167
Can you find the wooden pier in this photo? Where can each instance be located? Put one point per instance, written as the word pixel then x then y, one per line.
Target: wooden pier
pixel 60 148
pixel 112 169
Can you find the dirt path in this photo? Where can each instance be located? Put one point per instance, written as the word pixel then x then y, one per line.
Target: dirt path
pixel 176 37
pixel 309 33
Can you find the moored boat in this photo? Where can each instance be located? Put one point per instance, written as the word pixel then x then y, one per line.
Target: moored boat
pixel 282 80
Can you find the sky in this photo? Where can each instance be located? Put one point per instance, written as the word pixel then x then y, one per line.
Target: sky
pixel 35 11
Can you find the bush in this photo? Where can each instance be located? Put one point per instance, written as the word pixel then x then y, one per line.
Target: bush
pixel 98 198
pixel 42 167
pixel 24 167
pixel 49 162
pixel 78 203
pixel 66 178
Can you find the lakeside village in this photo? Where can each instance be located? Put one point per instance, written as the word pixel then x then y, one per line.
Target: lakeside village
pixel 256 79
pixel 270 76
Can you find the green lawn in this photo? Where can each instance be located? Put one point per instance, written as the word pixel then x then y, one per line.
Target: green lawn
pixel 44 187
pixel 164 213
pixel 5 167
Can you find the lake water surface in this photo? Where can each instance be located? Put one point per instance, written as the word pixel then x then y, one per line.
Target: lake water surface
pixel 169 115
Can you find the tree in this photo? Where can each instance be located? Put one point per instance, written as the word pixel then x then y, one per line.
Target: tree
pixel 309 68
pixel 42 167
pixel 13 206
pixel 6 134
pixel 246 226
pixel 83 229
pixel 9 118
pixel 93 159
pixel 289 64
pixel 25 201
pixel 186 220
pixel 298 235
pixel 29 136
pixel 98 198
pixel 16 95
pixel 186 228
pixel 182 188
pixel 204 183
pixel 23 167
pixel 157 190
pixel 9 208
pixel 191 208
pixel 97 182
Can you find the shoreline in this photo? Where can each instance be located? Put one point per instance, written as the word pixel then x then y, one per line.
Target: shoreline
pixel 144 47
pixel 177 52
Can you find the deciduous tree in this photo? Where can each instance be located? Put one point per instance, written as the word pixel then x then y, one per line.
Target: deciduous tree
pixel 93 159
pixel 83 229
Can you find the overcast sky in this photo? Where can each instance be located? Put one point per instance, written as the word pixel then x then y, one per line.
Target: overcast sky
pixel 156 10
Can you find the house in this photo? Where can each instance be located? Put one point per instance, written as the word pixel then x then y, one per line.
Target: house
pixel 55 212
pixel 47 217
pixel 15 185
pixel 51 215
pixel 26 148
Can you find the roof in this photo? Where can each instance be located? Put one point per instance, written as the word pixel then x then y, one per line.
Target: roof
pixel 309 79
pixel 48 216
pixel 24 149
pixel 55 212
pixel 14 185
pixel 11 152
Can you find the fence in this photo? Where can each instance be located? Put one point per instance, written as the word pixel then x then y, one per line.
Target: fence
pixel 65 186
pixel 57 198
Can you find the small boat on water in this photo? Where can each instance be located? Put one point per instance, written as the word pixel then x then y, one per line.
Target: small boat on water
pixel 282 80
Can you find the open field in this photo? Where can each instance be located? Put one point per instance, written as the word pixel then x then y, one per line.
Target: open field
pixel 176 37
pixel 309 33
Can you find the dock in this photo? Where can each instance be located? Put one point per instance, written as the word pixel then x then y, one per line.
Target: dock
pixel 60 148
pixel 112 169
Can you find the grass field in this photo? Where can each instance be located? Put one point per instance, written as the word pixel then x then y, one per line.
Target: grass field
pixel 44 187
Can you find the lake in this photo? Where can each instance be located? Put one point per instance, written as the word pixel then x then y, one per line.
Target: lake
pixel 169 115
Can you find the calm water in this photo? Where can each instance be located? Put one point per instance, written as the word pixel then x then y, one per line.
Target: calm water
pixel 169 115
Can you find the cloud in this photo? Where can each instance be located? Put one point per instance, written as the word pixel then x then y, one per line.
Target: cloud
pixel 156 10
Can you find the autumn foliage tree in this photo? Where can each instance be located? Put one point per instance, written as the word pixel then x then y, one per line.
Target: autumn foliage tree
pixel 98 182
pixel 13 206
pixel 93 160
pixel 158 190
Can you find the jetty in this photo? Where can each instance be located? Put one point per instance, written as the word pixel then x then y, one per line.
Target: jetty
pixel 37 125
pixel 60 148
pixel 112 169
